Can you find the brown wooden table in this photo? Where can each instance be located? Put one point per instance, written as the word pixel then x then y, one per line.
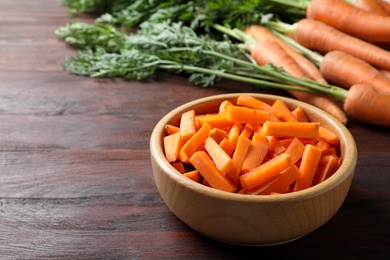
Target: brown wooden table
pixel 75 172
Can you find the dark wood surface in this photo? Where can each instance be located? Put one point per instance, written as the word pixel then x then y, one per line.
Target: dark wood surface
pixel 75 174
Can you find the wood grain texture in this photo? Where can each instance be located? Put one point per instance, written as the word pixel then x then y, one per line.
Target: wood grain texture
pixel 75 173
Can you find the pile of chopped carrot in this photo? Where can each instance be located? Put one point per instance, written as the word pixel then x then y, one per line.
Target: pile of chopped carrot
pixel 252 147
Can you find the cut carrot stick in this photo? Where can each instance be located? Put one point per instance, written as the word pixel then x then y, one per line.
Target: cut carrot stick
pixel 283 112
pixel 221 159
pixel 206 167
pixel 295 150
pixel 275 145
pixel 218 134
pixel 218 120
pixel 227 146
pixel 195 143
pixel 302 130
pixel 172 146
pixel 265 171
pixel 329 136
pixel 234 132
pixel 247 115
pixel 326 167
pixel 308 167
pixel 283 182
pixel 256 153
pixel 323 145
pixel 171 129
pixel 187 125
pixel 263 186
pixel 224 104
pixel 252 102
pixel 179 166
pixel 248 130
pixel 193 175
pixel 300 114
pixel 239 155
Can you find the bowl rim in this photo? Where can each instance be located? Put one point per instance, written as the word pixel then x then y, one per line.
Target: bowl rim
pixel 345 170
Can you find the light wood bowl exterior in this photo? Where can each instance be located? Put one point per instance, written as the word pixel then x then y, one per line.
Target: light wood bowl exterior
pixel 252 220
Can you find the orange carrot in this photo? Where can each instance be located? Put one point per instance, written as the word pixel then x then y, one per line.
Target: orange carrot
pixel 276 55
pixel 179 166
pixel 323 38
pixel 247 115
pixel 346 70
pixel 227 146
pixel 371 6
pixel 261 33
pixel 193 175
pixel 172 146
pixel 224 105
pixel 283 182
pixel 187 125
pixel 351 20
pixel 328 136
pixel 234 132
pixel 295 150
pixel 385 5
pixel 248 130
pixel 194 143
pixel 251 102
pixel 222 160
pixel 275 145
pixel 308 167
pixel 326 167
pixel 218 134
pixel 302 130
pixel 239 155
pixel 218 120
pixel 284 113
pixel 256 153
pixel 171 129
pixel 206 167
pixel 366 104
pixel 265 171
pixel 300 114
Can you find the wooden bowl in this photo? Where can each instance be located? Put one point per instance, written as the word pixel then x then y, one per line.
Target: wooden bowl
pixel 252 220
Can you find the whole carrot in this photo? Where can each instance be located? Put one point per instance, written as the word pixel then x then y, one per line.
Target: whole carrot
pixel 346 70
pixel 385 5
pixel 350 19
pixel 371 6
pixel 368 105
pixel 271 52
pixel 323 38
pixel 261 33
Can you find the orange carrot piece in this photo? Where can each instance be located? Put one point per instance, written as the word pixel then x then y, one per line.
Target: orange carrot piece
pixel 265 171
pixel 247 115
pixel 221 159
pixel 238 158
pixel 248 130
pixel 283 182
pixel 172 146
pixel 227 146
pixel 263 186
pixel 194 143
pixel 179 166
pixel 330 151
pixel 283 112
pixel 286 141
pixel 218 120
pixel 301 130
pixel 256 153
pixel 295 150
pixel 323 145
pixel 223 106
pixel 326 167
pixel 252 102
pixel 187 125
pixel 275 145
pixel 329 136
pixel 310 159
pixel 171 129
pixel 234 132
pixel 300 114
pixel 193 175
pixel 218 134
pixel 206 167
